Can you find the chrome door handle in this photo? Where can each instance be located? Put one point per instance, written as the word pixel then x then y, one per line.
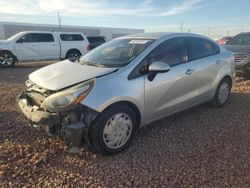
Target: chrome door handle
pixel 189 71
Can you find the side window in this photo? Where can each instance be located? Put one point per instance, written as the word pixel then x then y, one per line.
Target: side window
pixel 71 37
pixel 96 39
pixel 172 52
pixel 45 37
pixel 199 48
pixel 28 38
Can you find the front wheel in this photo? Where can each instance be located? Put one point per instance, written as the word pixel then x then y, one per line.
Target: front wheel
pixel 114 130
pixel 73 54
pixel 222 93
pixel 7 59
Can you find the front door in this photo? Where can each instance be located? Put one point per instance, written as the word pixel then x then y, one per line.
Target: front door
pixel 174 90
pixel 27 47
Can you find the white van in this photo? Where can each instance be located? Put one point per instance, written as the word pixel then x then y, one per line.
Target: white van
pixel 42 45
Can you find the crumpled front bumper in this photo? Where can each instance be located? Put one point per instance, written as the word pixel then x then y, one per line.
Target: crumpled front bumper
pixel 46 120
pixel 51 123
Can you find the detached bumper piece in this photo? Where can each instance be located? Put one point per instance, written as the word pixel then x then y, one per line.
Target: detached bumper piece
pixel 51 123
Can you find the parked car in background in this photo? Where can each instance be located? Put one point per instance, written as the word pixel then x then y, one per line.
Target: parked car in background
pixel 95 41
pixel 42 45
pixel 125 84
pixel 224 40
pixel 240 45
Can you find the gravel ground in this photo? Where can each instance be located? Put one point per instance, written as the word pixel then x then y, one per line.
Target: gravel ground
pixel 201 147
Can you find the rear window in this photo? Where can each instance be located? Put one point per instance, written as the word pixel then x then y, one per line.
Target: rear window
pixel 199 48
pixel 96 39
pixel 71 37
pixel 45 37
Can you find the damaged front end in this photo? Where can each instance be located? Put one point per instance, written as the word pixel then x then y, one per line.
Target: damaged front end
pixel 62 115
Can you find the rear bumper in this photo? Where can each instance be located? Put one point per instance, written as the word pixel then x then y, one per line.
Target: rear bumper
pixel 52 123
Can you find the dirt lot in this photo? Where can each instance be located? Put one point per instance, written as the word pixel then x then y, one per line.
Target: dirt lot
pixel 201 147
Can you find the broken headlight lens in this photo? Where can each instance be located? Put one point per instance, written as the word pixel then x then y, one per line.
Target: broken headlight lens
pixel 69 98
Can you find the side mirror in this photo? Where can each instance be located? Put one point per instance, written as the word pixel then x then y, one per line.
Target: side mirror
pixel 21 40
pixel 157 67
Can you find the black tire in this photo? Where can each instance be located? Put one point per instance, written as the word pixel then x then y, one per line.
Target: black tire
pixel 95 133
pixel 216 102
pixel 247 75
pixel 7 59
pixel 71 54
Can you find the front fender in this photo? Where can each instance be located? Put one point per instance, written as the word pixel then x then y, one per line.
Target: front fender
pixel 8 47
pixel 115 88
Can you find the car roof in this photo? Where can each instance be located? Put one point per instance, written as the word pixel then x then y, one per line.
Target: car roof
pixel 60 32
pixel 158 35
pixel 36 32
pixel 244 33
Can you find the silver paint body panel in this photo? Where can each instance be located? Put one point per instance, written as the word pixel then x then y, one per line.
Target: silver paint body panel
pixel 168 93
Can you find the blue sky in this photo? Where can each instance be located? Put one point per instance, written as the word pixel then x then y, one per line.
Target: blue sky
pixel 209 17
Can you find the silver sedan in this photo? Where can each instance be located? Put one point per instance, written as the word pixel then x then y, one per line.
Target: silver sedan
pixel 124 84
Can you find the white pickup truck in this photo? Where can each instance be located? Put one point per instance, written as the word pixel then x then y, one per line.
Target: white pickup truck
pixel 42 45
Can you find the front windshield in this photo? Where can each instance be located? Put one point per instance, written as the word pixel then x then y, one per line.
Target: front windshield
pixel 241 39
pixel 116 53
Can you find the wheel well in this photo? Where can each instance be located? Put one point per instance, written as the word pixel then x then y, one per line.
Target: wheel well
pixel 132 106
pixel 228 78
pixel 73 49
pixel 7 51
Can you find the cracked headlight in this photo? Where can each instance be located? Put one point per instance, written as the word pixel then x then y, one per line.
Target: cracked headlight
pixel 68 98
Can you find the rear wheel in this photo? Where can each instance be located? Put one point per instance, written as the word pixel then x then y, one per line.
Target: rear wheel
pixel 73 54
pixel 222 93
pixel 114 130
pixel 7 59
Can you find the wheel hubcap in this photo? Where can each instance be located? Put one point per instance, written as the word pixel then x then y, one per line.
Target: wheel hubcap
pixel 74 55
pixel 224 92
pixel 117 130
pixel 6 60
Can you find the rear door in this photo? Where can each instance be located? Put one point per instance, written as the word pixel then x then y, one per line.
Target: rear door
pixel 27 47
pixel 49 46
pixel 206 58
pixel 174 90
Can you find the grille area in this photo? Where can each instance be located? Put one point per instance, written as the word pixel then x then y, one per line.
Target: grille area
pixel 36 98
pixel 36 93
pixel 240 58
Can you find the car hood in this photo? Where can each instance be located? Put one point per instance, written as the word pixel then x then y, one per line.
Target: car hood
pixel 4 41
pixel 238 49
pixel 65 73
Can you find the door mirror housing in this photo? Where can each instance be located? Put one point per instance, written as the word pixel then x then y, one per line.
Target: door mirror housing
pixel 157 67
pixel 21 40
